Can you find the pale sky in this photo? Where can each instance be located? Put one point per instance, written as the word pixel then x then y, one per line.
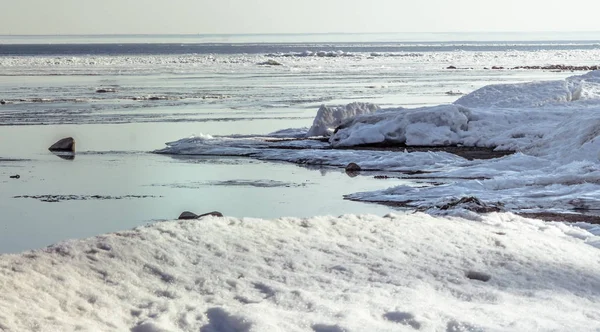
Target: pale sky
pixel 293 16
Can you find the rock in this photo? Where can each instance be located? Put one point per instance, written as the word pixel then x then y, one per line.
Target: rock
pixel 451 67
pixel 15 176
pixel 65 144
pixel 270 62
pixel 186 215
pixel 2 101
pixel 105 90
pixel 353 167
pixel 474 275
pixel 214 214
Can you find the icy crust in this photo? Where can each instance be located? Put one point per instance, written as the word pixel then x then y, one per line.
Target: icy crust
pixel 347 273
pixel 311 152
pixel 330 117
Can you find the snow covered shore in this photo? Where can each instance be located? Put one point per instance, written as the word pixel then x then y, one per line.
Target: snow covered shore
pixel 347 273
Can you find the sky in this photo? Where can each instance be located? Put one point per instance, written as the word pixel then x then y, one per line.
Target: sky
pixel 293 16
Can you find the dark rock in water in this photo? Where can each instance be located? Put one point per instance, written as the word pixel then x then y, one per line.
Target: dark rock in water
pixel 65 144
pixel 451 67
pixel 270 62
pixel 186 215
pixel 472 204
pixel 497 67
pixel 213 214
pixel 15 176
pixel 353 167
pixel 105 90
pixel 2 102
pixel 473 275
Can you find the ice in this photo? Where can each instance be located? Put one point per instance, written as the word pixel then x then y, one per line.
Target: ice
pixel 346 273
pixel 329 117
pixel 553 127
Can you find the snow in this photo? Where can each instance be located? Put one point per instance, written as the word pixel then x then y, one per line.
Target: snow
pixel 347 273
pixel 330 117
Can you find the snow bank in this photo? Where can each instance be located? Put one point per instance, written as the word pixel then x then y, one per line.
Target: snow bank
pixel 348 273
pixel 329 117
pixel 438 125
pixel 537 118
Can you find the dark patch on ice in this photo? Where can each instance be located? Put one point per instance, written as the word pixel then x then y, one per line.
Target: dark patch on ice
pixel 256 183
pixel 266 290
pixel 166 293
pixel 165 277
pixel 481 276
pixel 563 217
pixel 245 300
pixel 472 204
pixel 404 318
pixel 467 152
pixel 221 321
pixel 456 326
pixel 58 198
pixel 327 328
pixel 235 183
pixel 12 160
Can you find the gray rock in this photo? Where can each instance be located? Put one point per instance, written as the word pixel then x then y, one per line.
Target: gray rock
pixel 213 213
pixel 105 90
pixel 65 144
pixel 186 215
pixel 481 276
pixel 270 62
pixel 353 167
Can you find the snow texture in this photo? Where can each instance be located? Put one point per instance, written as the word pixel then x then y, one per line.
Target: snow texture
pixel 347 273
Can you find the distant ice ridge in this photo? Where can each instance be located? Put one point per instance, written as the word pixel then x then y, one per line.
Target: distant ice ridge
pixel 347 273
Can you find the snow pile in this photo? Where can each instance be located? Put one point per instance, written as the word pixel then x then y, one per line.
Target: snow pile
pixel 439 125
pixel 329 117
pixel 348 273
pixel 527 117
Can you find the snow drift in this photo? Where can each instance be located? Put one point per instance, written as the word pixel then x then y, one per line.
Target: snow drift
pixel 348 273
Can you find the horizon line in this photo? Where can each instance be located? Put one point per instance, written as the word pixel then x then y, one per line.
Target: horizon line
pixel 294 33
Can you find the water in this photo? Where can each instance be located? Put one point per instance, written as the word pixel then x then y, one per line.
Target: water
pixel 169 87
